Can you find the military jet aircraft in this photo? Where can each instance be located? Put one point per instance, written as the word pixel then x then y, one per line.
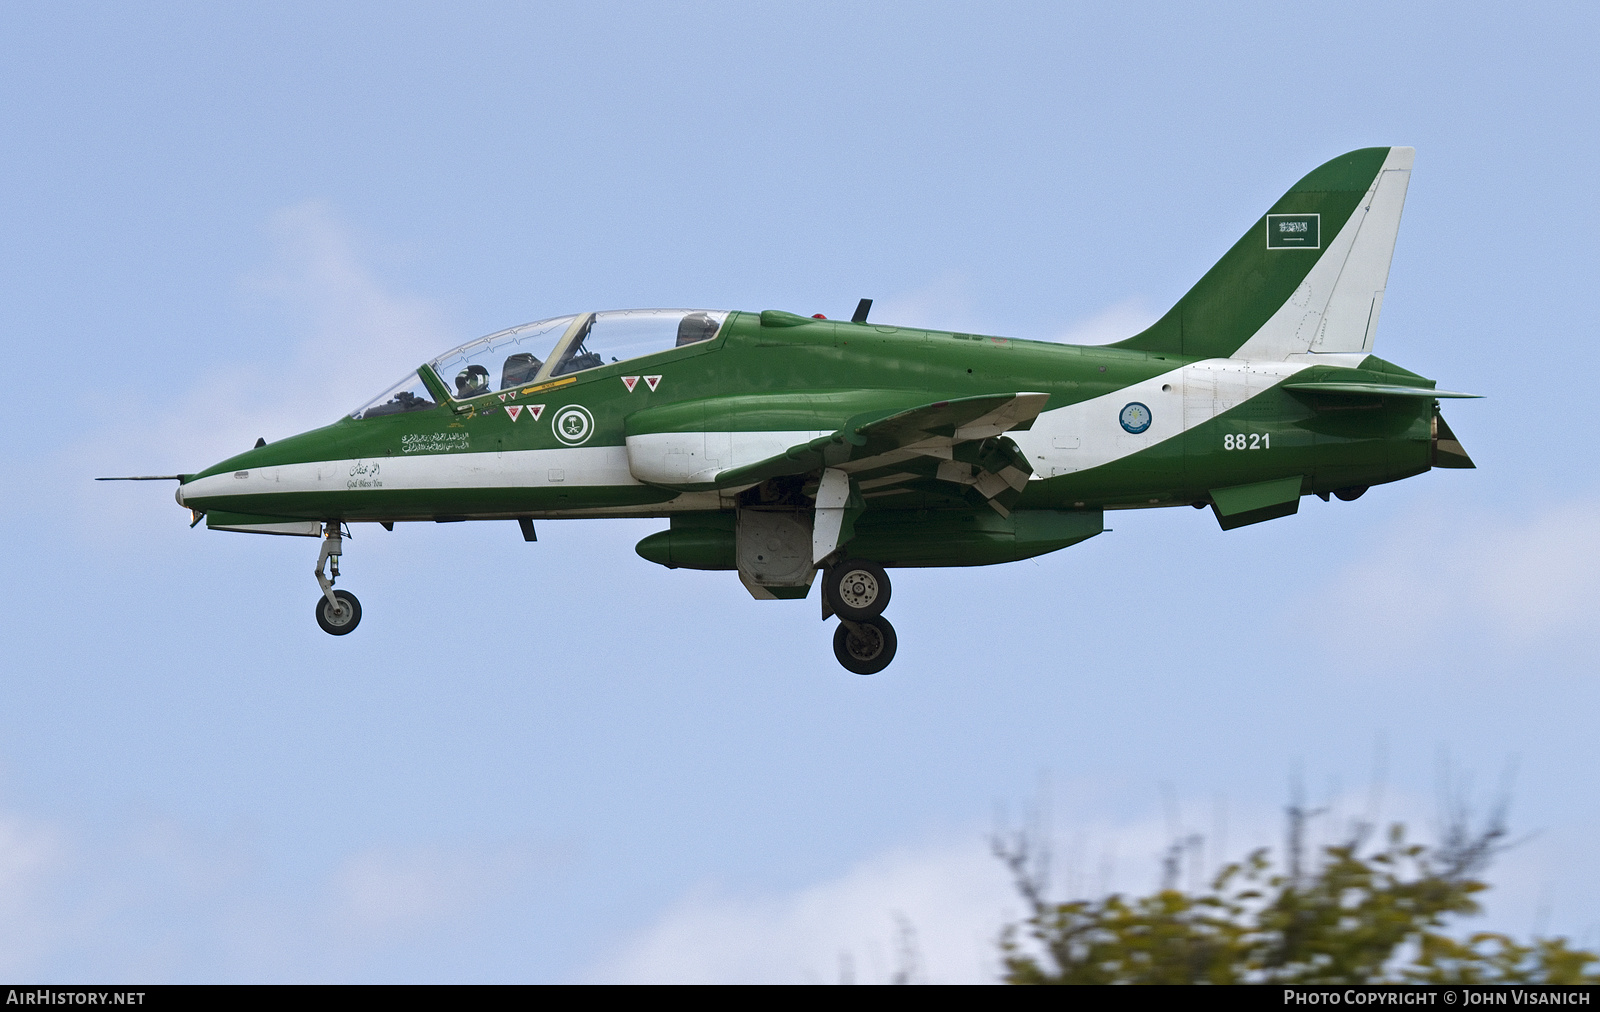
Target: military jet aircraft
pixel 777 446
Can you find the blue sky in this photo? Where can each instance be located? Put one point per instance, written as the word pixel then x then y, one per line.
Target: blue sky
pixel 558 762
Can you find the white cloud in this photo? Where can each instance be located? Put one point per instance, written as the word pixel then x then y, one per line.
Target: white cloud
pixel 951 897
pixel 352 336
pixel 33 857
pixel 385 893
pixel 947 304
pixel 153 900
pixel 1519 581
pixel 943 304
pixel 356 334
pixel 1113 323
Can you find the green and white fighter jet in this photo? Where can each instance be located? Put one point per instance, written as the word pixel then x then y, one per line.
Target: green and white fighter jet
pixel 777 446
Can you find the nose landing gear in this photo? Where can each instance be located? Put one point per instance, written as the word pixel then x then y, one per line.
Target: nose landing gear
pixel 338 611
pixel 857 591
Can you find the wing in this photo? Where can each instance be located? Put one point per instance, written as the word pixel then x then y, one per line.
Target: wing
pixel 958 443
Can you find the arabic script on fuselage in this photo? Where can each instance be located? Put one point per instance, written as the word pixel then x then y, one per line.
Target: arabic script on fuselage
pixel 364 474
pixel 433 442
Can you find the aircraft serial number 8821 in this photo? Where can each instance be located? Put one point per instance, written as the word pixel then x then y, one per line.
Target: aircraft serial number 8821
pixel 778 446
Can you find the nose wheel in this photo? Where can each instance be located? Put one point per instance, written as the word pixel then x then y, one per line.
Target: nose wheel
pixel 338 611
pixel 857 591
pixel 339 616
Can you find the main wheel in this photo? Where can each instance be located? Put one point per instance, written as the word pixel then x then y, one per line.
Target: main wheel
pixel 337 623
pixel 1351 494
pixel 865 647
pixel 857 589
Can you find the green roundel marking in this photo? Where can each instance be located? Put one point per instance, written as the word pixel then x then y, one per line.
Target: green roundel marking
pixel 573 425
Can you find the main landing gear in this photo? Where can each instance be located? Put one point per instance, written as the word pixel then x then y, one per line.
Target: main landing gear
pixel 338 611
pixel 857 591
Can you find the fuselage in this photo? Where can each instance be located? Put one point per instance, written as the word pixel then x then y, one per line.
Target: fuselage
pixel 647 437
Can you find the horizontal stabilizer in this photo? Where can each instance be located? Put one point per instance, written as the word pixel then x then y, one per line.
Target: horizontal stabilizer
pixel 1374 390
pixel 147 477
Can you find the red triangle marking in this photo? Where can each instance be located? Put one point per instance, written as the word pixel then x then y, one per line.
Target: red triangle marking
pixel 536 410
pixel 630 382
pixel 514 410
pixel 654 382
pixel 502 398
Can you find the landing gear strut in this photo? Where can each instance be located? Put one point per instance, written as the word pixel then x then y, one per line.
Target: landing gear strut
pixel 338 611
pixel 857 591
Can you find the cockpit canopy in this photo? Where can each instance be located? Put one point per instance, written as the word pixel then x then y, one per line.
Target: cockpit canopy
pixel 546 349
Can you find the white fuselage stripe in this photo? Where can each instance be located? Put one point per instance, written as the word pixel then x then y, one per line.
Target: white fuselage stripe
pixel 574 467
pixel 1090 433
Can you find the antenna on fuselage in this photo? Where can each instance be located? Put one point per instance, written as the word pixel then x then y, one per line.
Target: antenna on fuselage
pixel 862 309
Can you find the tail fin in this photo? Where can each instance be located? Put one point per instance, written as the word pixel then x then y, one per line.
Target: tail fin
pixel 1308 277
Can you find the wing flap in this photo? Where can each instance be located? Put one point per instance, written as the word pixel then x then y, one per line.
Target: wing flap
pixel 958 441
pixel 870 441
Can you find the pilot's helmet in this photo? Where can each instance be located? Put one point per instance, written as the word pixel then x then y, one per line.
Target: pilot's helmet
pixel 471 381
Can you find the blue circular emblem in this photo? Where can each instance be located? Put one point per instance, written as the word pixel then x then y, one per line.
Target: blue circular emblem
pixel 1135 418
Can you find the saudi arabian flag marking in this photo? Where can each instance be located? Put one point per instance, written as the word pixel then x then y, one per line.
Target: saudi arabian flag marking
pixel 1294 231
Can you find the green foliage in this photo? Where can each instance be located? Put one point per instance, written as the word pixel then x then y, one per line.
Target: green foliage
pixel 1356 919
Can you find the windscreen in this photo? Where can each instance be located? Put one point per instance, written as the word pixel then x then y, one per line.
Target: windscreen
pixel 410 394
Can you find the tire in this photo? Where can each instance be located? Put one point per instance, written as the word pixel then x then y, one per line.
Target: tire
pixel 334 623
pixel 867 648
pixel 1351 494
pixel 857 589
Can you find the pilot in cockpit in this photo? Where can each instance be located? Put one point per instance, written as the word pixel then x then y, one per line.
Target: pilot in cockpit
pixel 471 381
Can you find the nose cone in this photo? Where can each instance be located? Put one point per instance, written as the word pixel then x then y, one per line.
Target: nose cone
pixel 195 491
